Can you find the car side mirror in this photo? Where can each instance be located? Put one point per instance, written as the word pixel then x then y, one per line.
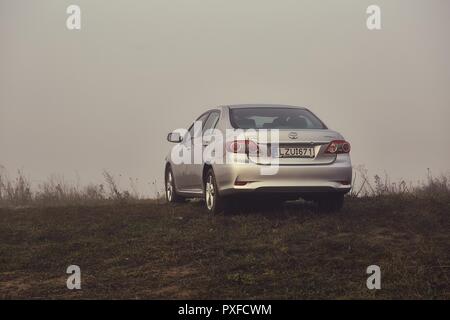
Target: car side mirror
pixel 174 137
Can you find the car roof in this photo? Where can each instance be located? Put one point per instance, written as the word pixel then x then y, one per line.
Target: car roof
pixel 261 105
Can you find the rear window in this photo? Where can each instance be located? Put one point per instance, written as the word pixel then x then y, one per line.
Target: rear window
pixel 274 118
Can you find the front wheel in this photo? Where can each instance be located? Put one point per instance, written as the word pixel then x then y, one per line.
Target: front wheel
pixel 171 193
pixel 330 202
pixel 213 201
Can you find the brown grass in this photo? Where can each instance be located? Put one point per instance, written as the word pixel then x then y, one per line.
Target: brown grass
pixel 146 250
pixel 56 190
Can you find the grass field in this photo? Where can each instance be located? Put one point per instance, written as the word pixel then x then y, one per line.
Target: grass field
pixel 146 250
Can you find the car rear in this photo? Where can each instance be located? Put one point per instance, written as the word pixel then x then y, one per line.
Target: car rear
pixel 298 153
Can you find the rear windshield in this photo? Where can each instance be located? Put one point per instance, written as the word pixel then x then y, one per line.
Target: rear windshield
pixel 274 118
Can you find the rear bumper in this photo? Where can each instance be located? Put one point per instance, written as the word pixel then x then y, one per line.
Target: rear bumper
pixel 300 179
pixel 290 190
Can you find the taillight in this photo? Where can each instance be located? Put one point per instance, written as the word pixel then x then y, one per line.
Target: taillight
pixel 338 146
pixel 243 146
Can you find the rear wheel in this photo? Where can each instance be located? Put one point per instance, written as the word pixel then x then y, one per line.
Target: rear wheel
pixel 171 193
pixel 213 201
pixel 330 202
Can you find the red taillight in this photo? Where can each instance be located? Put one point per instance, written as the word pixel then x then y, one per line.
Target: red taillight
pixel 338 146
pixel 243 146
pixel 236 147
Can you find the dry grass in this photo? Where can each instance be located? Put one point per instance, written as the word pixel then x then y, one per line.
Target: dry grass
pixel 146 250
pixel 142 249
pixel 18 191
pixel 363 186
pixel 56 190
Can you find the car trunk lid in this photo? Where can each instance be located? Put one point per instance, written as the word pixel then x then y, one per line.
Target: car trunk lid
pixel 294 147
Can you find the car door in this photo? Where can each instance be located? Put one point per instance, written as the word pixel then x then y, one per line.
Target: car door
pixel 194 135
pixel 196 169
pixel 179 168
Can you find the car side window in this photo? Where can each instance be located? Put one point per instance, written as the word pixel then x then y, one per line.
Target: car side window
pixel 193 134
pixel 212 120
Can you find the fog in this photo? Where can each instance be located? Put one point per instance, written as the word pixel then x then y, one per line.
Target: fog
pixel 75 102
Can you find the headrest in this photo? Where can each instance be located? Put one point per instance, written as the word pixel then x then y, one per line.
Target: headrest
pixel 297 123
pixel 245 123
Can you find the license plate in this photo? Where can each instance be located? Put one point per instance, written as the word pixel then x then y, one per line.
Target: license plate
pixel 296 152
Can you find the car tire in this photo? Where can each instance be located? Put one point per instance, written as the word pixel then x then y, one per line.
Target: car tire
pixel 171 194
pixel 330 202
pixel 213 201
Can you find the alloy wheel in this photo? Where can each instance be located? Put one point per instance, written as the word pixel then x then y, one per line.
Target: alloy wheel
pixel 210 193
pixel 169 187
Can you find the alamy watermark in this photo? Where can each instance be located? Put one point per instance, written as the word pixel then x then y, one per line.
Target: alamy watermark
pixel 73 21
pixel 374 280
pixel 373 21
pixel 234 146
pixel 74 280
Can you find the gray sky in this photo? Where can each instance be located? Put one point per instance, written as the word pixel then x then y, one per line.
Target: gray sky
pixel 105 97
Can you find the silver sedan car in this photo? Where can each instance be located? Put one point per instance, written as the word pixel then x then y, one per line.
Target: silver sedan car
pixel 273 152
